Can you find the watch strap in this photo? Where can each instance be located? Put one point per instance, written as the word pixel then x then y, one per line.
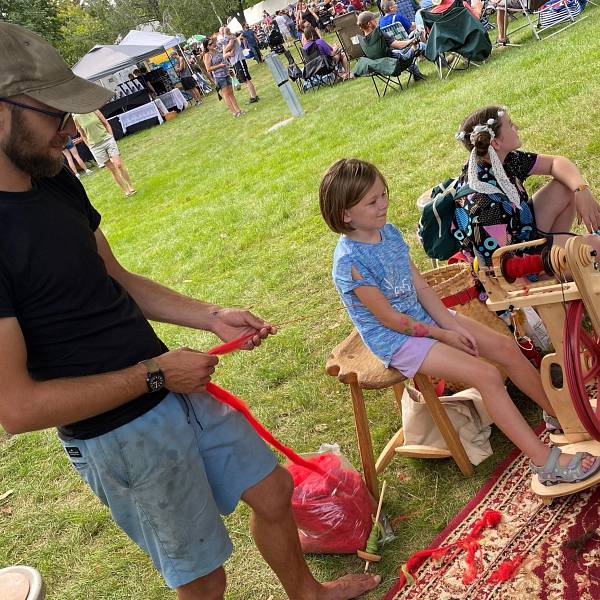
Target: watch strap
pixel 151 365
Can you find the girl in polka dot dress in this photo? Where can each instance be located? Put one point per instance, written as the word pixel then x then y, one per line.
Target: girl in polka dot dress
pixel 499 212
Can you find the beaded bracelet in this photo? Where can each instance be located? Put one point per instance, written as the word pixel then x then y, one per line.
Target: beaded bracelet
pixel 580 188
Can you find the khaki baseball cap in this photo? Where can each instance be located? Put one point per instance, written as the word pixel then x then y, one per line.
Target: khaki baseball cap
pixel 34 67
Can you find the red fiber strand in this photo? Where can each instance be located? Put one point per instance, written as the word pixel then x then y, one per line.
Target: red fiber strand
pixel 236 403
pixel 228 347
pixel 468 543
pixel 506 570
pixel 228 398
pixel 520 266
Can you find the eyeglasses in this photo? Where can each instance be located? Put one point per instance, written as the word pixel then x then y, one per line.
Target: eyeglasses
pixel 63 117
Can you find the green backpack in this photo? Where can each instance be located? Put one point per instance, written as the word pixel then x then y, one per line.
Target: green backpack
pixel 437 215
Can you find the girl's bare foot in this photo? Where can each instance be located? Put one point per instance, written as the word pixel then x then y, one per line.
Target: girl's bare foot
pixel 587 462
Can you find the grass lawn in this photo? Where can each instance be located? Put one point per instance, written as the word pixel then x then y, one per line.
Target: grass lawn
pixel 227 211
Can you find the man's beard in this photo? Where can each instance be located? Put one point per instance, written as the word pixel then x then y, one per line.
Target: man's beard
pixel 20 149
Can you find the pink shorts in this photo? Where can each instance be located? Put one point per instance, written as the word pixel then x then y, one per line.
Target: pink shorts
pixel 410 356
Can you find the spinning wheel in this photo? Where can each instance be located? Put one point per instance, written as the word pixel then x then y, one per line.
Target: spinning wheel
pixel 574 333
pixel 582 366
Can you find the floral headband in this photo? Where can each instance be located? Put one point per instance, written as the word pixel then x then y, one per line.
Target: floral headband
pixel 504 184
pixel 486 127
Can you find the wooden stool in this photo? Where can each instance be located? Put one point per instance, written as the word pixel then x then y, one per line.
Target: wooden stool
pixel 355 365
pixel 21 583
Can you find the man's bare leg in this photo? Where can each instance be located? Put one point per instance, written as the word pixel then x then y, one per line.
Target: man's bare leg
pixel 276 536
pixel 251 89
pixel 209 587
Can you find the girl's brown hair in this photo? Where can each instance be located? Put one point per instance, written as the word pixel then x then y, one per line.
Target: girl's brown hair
pixel 483 139
pixel 343 186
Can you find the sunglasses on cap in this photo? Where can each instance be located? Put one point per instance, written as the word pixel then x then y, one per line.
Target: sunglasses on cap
pixel 63 117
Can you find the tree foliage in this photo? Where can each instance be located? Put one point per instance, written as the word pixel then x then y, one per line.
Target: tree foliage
pixel 76 26
pixel 40 16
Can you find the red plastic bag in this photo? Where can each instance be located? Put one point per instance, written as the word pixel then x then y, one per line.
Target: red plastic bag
pixel 332 511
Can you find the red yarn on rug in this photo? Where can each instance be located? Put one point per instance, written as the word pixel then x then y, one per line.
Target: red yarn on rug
pixel 333 513
pixel 236 403
pixel 506 570
pixel 468 543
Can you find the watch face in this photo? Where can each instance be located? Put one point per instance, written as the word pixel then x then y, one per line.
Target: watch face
pixel 155 381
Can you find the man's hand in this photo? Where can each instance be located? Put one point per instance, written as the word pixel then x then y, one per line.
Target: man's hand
pixel 186 371
pixel 232 323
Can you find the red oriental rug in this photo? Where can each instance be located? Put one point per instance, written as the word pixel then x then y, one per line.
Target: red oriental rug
pixel 552 570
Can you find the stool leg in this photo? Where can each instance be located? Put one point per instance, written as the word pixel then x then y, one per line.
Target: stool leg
pixel 398 391
pixel 363 434
pixel 438 413
pixel 388 453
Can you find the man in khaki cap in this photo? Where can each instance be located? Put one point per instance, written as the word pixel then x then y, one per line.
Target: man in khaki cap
pixel 77 353
pixel 400 49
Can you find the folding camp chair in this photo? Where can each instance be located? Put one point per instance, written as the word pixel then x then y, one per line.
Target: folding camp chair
pixel 455 30
pixel 380 67
pixel 318 69
pixel 348 34
pixel 549 15
pixel 396 30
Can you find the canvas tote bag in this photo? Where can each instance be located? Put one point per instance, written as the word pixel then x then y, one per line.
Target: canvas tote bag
pixel 466 412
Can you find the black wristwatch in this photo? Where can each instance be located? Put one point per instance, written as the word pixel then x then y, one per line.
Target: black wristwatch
pixel 155 379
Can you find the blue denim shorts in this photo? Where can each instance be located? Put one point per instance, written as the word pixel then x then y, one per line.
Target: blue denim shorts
pixel 167 475
pixel 222 82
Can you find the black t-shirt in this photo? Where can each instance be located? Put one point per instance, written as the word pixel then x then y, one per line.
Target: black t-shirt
pixel 76 319
pixel 310 18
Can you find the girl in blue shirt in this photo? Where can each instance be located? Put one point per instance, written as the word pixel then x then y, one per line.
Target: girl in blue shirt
pixel 404 323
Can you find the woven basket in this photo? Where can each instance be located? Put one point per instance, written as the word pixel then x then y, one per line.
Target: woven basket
pixel 451 279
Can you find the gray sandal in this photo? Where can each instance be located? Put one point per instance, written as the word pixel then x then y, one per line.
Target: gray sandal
pixel 552 423
pixel 552 473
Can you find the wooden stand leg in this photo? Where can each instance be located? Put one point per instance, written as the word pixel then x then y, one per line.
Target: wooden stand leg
pixel 398 391
pixel 443 423
pixel 363 435
pixel 397 439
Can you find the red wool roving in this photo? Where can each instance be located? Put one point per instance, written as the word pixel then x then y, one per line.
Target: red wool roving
pixel 333 512
pixel 222 395
pixel 468 543
pixel 506 570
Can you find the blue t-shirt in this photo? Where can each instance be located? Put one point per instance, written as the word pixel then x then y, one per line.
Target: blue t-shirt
pixel 389 19
pixel 250 37
pixel 385 265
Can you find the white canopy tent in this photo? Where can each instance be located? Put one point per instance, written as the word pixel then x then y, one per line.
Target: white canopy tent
pixel 101 61
pixel 254 14
pixel 234 25
pixel 151 38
